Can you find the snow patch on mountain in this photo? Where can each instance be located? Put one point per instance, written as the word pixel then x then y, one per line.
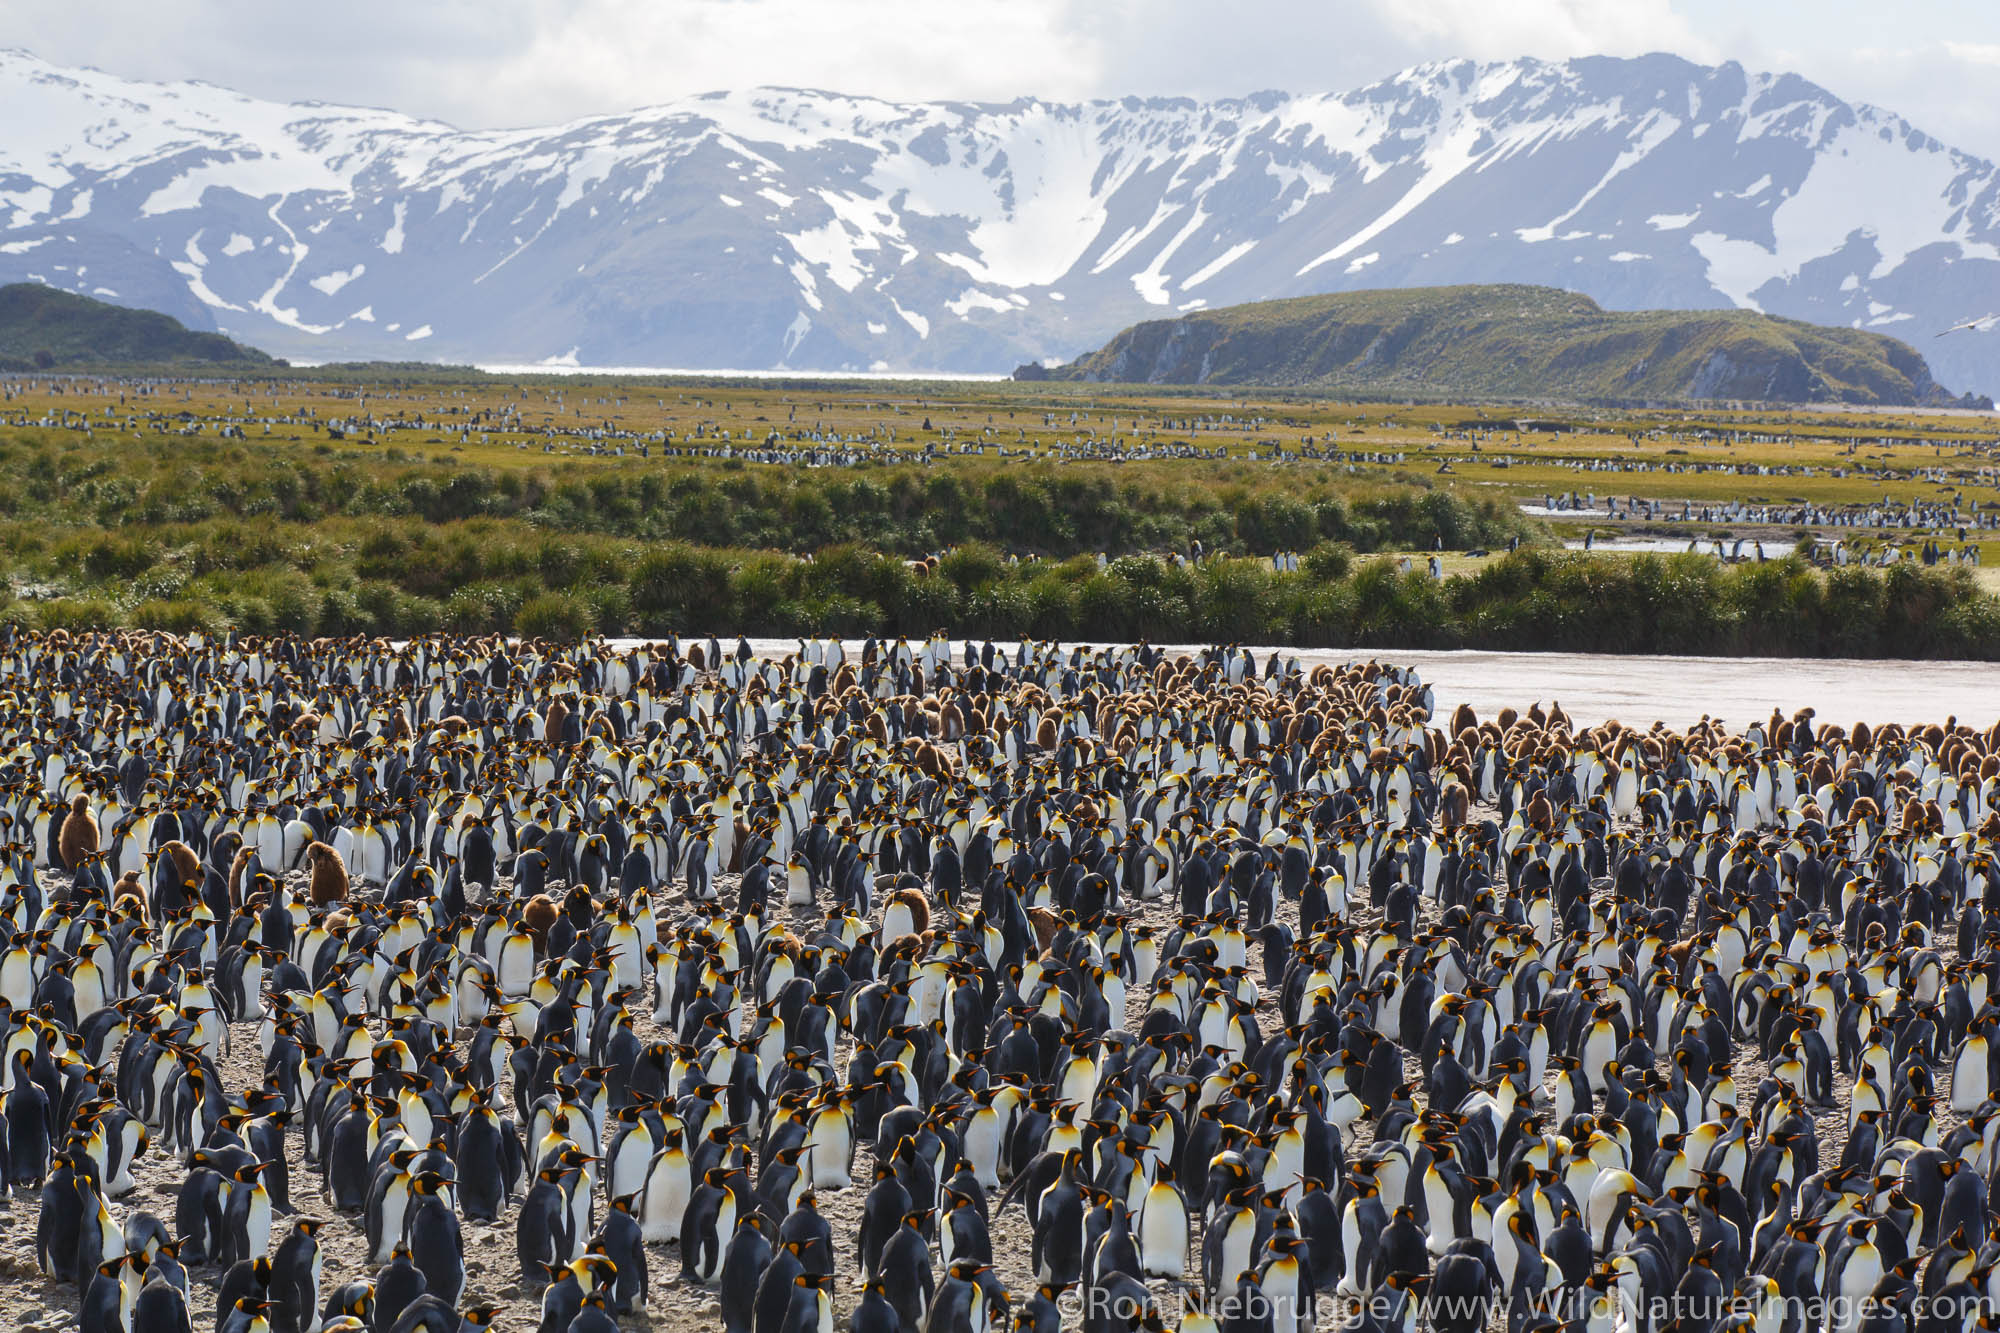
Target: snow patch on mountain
pixel 330 283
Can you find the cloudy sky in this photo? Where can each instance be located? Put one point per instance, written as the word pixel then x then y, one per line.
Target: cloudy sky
pixel 483 63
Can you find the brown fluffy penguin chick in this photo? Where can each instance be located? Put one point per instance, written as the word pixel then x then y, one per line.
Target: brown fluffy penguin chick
pixel 236 868
pixel 1455 805
pixel 128 894
pixel 79 834
pixel 329 874
pixel 1541 815
pixel 186 864
pixel 908 912
pixel 537 915
pixel 1045 924
pixel 935 762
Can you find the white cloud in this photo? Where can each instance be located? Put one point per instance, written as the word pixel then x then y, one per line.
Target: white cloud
pixel 511 62
pixel 1945 89
pixel 480 63
pixel 1551 28
pixel 1975 53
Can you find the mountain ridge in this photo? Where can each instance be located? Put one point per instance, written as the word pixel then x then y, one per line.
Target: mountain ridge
pixel 817 231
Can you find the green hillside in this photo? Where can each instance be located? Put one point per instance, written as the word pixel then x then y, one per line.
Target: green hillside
pixel 1512 342
pixel 42 328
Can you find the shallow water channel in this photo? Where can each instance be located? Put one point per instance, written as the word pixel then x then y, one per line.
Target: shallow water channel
pixel 1676 690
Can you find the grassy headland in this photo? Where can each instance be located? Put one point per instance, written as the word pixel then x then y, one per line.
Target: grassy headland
pixel 1514 342
pixel 43 328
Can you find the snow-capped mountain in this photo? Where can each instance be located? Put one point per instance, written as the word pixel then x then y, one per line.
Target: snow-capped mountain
pixel 809 230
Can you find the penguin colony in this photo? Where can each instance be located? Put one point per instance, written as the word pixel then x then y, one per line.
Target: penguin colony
pixel 1262 996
